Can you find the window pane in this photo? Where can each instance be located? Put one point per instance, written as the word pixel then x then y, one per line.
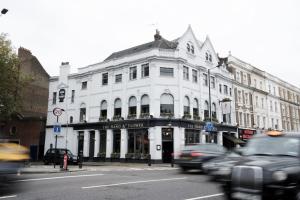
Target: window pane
pixel 116 141
pixel 105 79
pixel 132 73
pixel 118 78
pixel 145 70
pixel 102 141
pixel 164 71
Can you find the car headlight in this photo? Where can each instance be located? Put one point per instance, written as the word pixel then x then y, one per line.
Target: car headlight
pixel 279 176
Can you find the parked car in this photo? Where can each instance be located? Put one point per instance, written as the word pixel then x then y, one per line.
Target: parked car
pixel 193 156
pixel 56 155
pixel 269 168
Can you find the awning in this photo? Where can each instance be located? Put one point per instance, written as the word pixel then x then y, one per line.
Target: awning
pixel 234 139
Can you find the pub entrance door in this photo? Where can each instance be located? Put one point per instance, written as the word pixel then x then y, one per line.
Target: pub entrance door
pixel 167 144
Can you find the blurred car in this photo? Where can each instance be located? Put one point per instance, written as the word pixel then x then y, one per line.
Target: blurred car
pixel 269 168
pixel 56 155
pixel 217 167
pixel 193 156
pixel 12 157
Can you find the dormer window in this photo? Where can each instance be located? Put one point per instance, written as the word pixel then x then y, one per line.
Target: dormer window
pixel 208 57
pixel 192 49
pixel 188 47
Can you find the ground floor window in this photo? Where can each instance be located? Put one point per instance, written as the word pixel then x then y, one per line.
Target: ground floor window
pixel 192 136
pixel 138 141
pixel 116 140
pixel 102 149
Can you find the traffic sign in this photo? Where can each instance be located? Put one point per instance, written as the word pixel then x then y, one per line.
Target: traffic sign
pixel 57 111
pixel 57 128
pixel 209 127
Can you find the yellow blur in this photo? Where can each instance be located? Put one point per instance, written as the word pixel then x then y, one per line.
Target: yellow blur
pixel 13 152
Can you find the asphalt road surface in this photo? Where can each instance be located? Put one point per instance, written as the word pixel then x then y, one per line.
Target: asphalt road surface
pixel 149 183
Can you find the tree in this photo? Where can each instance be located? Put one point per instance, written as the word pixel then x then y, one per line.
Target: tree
pixel 11 81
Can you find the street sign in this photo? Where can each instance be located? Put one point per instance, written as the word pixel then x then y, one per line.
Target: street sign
pixel 57 128
pixel 209 127
pixel 57 111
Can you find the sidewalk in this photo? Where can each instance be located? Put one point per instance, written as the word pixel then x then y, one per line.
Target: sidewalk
pixel 39 167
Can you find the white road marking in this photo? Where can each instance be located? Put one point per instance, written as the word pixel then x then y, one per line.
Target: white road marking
pixel 205 197
pixel 134 182
pixel 58 177
pixel 6 197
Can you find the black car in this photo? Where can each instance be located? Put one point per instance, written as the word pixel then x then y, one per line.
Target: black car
pixel 57 156
pixel 269 168
pixel 218 166
pixel 193 156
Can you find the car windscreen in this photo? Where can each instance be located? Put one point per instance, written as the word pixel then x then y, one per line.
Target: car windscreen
pixel 204 147
pixel 273 146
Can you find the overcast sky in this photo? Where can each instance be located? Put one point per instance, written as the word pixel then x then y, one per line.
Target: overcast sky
pixel 262 33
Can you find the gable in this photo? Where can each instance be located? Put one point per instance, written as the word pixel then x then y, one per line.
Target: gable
pixel 207 48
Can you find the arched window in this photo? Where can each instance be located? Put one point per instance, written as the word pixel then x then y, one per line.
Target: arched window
pixel 188 47
pixel 145 109
pixel 192 49
pixel 71 119
pixel 214 111
pixel 195 108
pixel 210 58
pixel 118 108
pixel 166 105
pixel 206 56
pixel 103 109
pixel 206 110
pixel 186 106
pixel 132 107
pixel 82 115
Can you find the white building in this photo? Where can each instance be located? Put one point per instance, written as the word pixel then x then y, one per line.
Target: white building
pixel 149 99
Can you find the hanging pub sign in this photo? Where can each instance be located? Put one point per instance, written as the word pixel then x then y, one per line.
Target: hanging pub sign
pixel 61 95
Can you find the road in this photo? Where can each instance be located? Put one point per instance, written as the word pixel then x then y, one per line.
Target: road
pixel 113 184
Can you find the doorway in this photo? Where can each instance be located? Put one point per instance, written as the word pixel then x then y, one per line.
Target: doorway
pixel 167 145
pixel 80 143
pixel 92 145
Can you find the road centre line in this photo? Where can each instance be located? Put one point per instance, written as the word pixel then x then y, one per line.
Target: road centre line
pixel 58 177
pixel 208 196
pixel 7 197
pixel 134 182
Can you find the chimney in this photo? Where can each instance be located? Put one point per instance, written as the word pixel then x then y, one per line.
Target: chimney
pixel 64 71
pixel 157 36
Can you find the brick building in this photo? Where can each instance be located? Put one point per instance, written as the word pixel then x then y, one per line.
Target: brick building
pixel 28 127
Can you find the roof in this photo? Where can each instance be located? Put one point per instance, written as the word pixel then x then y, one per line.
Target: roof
pixel 160 43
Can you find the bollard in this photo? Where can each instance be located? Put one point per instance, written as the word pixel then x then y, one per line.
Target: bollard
pixel 80 160
pixel 149 160
pixel 172 160
pixel 61 162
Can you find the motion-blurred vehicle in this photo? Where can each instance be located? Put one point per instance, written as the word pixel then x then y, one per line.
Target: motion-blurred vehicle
pixel 56 155
pixel 269 168
pixel 193 156
pixel 218 166
pixel 12 157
